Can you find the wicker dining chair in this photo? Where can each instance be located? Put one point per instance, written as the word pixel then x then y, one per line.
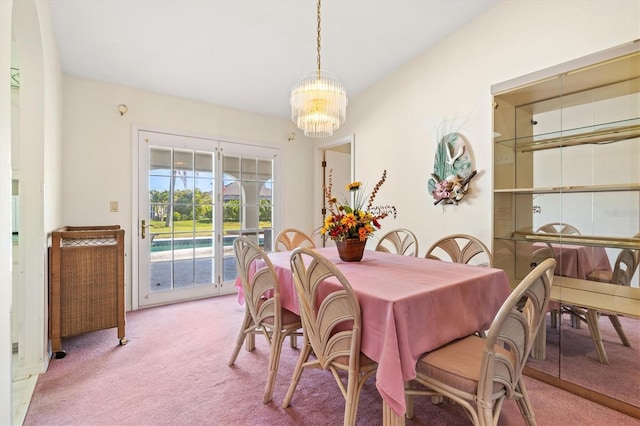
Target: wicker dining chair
pixel 562 229
pixel 461 248
pixel 606 275
pixel 623 271
pixel 263 312
pixel 537 257
pixel 479 373
pixel 399 241
pixel 290 238
pixel 558 228
pixel 541 253
pixel 332 327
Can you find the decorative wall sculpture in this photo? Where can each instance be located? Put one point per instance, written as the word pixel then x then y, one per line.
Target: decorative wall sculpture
pixel 452 170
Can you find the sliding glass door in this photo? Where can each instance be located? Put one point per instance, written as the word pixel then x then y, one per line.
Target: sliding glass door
pixel 196 196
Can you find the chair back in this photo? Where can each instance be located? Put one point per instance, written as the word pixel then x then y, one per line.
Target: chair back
pixel 540 254
pixel 259 282
pixel 513 332
pixel 290 238
pixel 330 311
pixel 461 248
pixel 625 267
pixel 558 228
pixel 636 252
pixel 399 241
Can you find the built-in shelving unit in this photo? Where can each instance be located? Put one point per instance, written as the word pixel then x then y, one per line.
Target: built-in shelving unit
pixel 567 149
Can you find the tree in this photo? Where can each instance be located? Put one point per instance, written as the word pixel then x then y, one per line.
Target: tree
pixel 231 211
pixel 265 210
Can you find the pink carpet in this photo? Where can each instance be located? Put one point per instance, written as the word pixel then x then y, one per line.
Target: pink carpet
pixel 174 371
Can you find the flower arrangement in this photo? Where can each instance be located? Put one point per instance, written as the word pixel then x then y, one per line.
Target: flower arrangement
pixel 452 189
pixel 347 222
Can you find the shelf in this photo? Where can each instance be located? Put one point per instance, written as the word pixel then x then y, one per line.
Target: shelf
pixel 591 294
pixel 571 189
pixel 583 240
pixel 599 137
pixel 600 134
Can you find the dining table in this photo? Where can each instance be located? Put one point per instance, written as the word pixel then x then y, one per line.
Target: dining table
pixel 577 261
pixel 409 306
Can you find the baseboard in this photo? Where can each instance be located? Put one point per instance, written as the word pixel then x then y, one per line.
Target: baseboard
pixel 22 393
pixel 591 395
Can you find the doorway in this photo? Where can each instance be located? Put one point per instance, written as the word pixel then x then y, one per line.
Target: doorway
pixel 339 156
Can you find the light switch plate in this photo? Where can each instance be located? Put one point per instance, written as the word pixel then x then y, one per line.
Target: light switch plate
pixel 113 206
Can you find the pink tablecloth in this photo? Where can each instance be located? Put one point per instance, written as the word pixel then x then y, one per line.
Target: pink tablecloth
pixel 409 306
pixel 577 261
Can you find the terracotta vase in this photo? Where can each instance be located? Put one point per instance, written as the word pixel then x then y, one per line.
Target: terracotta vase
pixel 351 250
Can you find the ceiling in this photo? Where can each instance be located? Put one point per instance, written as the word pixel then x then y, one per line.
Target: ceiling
pixel 248 54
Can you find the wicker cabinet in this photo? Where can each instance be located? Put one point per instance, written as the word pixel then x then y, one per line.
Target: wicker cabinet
pixel 86 282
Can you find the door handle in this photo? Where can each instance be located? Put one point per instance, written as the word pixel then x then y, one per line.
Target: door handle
pixel 143 228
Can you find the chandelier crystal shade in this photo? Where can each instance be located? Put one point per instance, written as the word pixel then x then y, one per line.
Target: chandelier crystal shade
pixel 318 101
pixel 318 104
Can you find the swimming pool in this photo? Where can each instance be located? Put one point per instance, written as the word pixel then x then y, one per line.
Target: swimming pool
pixel 164 244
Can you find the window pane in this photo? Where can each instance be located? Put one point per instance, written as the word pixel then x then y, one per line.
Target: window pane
pixel 183 162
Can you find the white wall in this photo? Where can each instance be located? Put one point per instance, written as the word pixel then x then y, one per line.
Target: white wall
pixel 5 214
pixel 39 174
pixel 97 152
pixel 395 121
pixel 26 34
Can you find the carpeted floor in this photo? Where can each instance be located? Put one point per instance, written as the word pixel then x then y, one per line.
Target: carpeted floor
pixel 174 371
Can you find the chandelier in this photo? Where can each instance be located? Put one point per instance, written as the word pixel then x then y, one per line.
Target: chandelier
pixel 318 101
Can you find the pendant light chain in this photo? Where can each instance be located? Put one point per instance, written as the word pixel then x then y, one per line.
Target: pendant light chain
pixel 318 39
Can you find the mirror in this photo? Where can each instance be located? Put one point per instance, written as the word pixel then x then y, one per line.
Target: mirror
pixel 585 346
pixel 567 150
